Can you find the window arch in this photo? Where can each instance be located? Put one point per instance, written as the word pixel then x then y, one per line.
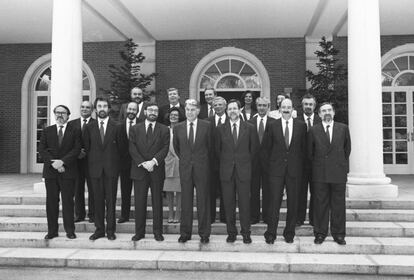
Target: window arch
pixel 399 71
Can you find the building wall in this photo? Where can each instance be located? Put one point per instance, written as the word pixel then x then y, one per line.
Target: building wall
pixel 15 59
pixel 283 58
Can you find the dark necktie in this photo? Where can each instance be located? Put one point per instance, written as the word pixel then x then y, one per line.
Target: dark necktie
pixel 261 130
pixel 328 135
pixel 309 123
pixel 60 135
pixel 210 113
pixel 84 123
pixel 129 128
pixel 235 133
pixel 219 121
pixel 102 131
pixel 149 132
pixel 191 135
pixel 287 135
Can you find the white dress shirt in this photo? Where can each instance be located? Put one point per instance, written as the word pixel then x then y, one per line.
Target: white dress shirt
pixel 331 124
pixel 194 128
pixel 217 117
pixel 105 124
pixel 134 121
pixel 264 121
pixel 63 128
pixel 82 118
pixel 290 125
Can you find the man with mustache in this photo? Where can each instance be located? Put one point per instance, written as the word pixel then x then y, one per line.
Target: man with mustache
pixel 286 144
pixel 125 167
pixel 59 148
pixel 310 119
pixel 236 144
pixel 103 147
pixel 329 147
pixel 207 110
pixel 137 95
pixel 148 145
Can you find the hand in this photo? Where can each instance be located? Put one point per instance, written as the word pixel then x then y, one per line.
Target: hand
pixel 151 164
pixel 57 163
pixel 82 154
pixel 61 169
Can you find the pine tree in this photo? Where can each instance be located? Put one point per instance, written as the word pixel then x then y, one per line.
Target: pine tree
pixel 330 83
pixel 127 76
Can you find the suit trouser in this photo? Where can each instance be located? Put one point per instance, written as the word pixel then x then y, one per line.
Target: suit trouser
pixel 80 192
pixel 260 179
pixel 303 196
pixel 126 190
pixel 105 188
pixel 199 180
pixel 155 183
pixel 53 188
pixel 277 184
pixel 216 191
pixel 242 187
pixel 329 204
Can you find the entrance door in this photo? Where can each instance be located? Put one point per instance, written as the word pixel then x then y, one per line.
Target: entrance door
pixel 398 129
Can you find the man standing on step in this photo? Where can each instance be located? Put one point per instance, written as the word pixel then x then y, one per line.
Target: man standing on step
pixel 174 102
pixel 148 145
pixel 83 170
pixel 137 95
pixel 286 145
pixel 329 147
pixel 59 148
pixel 125 162
pixel 207 110
pixel 310 118
pixel 236 144
pixel 192 143
pixel 103 147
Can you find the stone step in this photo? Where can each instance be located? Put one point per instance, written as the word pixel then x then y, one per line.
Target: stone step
pixel 301 244
pixel 208 261
pixel 395 215
pixel 39 199
pixel 372 229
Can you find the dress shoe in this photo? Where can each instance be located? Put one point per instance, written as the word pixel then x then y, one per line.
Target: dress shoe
pixel 184 238
pixel 299 223
pixel 254 221
pixel 319 239
pixel 137 237
pixel 51 236
pixel 158 237
pixel 270 239
pixel 289 239
pixel 204 240
pixel 340 240
pixel 231 238
pixel 122 220
pixel 247 239
pixel 96 236
pixel 78 220
pixel 91 219
pixel 71 235
pixel 111 236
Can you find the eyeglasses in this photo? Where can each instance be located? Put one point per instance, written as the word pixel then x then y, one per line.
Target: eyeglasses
pixel 152 110
pixel 61 113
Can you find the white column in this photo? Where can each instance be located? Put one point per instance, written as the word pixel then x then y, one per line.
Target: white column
pixel 66 85
pixel 366 178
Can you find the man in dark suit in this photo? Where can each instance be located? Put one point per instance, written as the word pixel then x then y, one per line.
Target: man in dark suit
pixel 219 118
pixel 192 144
pixel 125 162
pixel 236 144
pixel 310 119
pixel 83 173
pixel 329 147
pixel 174 101
pixel 137 95
pixel 148 145
pixel 286 144
pixel 260 174
pixel 207 110
pixel 102 145
pixel 59 148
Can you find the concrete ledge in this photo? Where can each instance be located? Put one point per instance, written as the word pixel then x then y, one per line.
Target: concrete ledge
pixel 371 191
pixel 39 187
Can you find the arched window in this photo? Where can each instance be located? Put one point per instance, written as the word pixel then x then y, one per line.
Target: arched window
pixel 399 71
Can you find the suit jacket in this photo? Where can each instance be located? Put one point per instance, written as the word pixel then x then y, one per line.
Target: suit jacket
pixel 238 156
pixel 203 111
pixel 77 124
pixel 316 119
pixel 142 151
pixel 330 161
pixel 214 159
pixel 68 151
pixel 263 153
pixel 283 159
pixel 199 155
pixel 123 115
pixel 103 157
pixel 125 157
pixel 163 112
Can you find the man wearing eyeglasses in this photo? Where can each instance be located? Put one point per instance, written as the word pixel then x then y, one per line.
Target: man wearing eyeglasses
pixel 59 148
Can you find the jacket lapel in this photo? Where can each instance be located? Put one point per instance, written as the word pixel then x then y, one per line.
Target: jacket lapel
pixel 335 132
pixel 110 128
pixel 281 134
pixel 323 135
pixel 242 132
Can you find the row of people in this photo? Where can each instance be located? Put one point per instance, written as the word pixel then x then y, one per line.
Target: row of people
pixel 277 149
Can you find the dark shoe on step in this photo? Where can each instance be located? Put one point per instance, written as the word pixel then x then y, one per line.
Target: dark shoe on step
pixel 247 239
pixel 137 237
pixel 158 237
pixel 111 236
pixel 122 220
pixel 204 240
pixel 51 236
pixel 71 235
pixel 78 220
pixel 184 238
pixel 340 240
pixel 319 239
pixel 96 236
pixel 289 239
pixel 231 238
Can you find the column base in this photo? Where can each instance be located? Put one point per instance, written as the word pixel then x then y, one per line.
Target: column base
pixel 39 187
pixel 371 191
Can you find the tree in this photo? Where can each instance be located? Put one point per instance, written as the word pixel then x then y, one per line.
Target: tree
pixel 329 84
pixel 127 76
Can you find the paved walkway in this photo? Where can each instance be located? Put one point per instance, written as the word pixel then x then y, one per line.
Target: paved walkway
pixel 22 184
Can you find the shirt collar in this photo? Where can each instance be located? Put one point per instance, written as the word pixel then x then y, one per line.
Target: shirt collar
pixel 194 122
pixel 305 117
pixel 105 120
pixel 147 122
pixel 63 125
pixel 236 122
pixel 177 105
pixel 290 121
pixel 133 121
pixel 326 124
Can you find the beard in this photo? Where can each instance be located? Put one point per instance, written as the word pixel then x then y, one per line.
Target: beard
pixel 152 117
pixel 131 116
pixel 327 118
pixel 102 114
